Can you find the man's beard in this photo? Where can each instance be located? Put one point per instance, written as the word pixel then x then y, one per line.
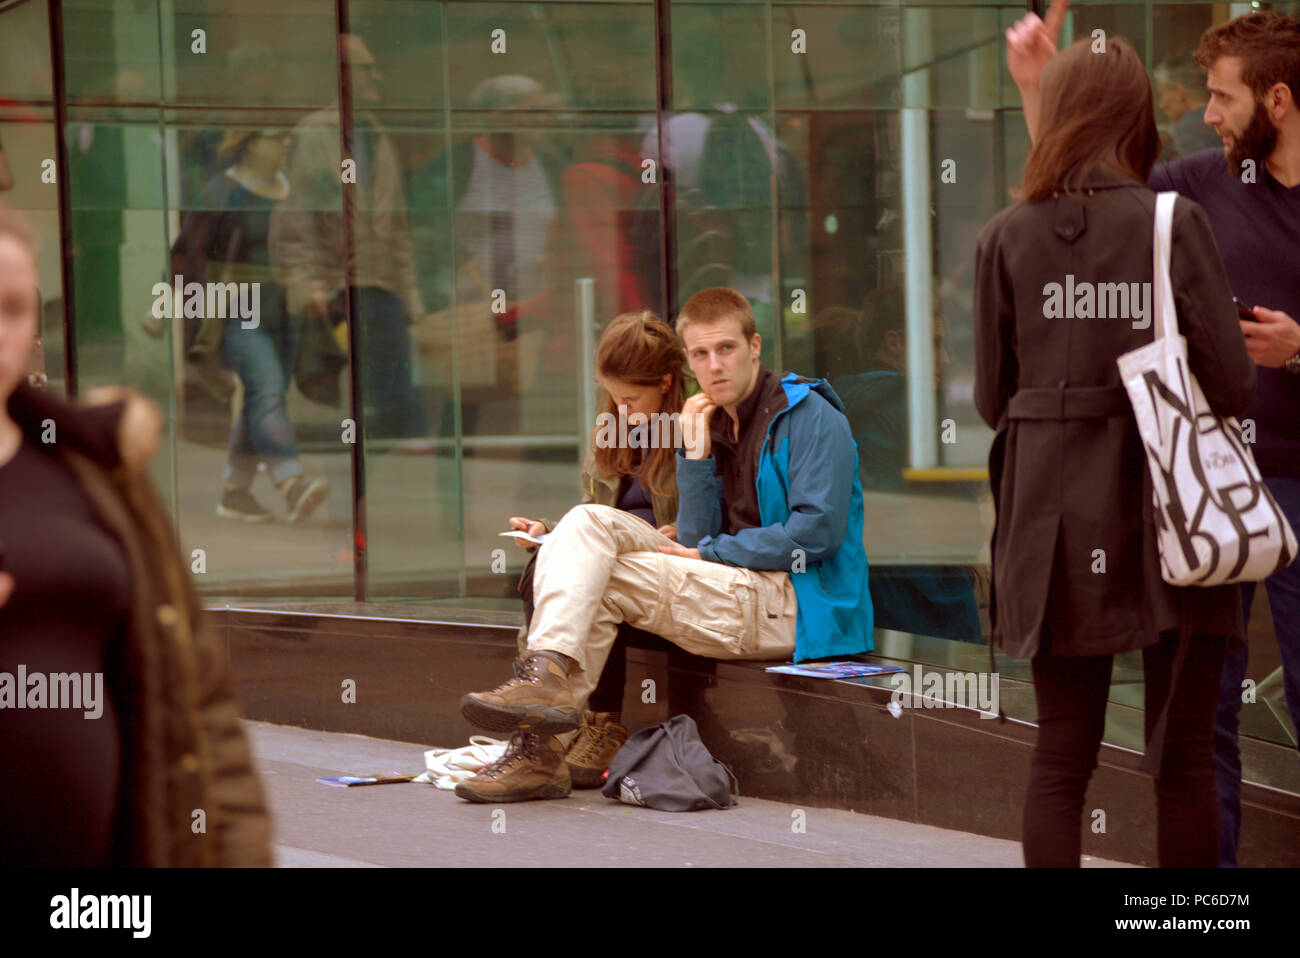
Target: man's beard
pixel 1255 143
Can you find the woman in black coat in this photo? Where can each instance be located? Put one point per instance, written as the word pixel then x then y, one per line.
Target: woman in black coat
pixel 1076 572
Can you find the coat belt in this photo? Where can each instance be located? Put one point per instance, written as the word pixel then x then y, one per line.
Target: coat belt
pixel 1075 402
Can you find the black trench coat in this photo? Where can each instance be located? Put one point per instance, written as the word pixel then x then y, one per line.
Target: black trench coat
pixel 1067 467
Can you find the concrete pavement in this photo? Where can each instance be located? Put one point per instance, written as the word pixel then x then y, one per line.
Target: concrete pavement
pixel 410 825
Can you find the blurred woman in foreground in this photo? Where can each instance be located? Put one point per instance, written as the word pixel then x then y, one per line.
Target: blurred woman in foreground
pixel 127 748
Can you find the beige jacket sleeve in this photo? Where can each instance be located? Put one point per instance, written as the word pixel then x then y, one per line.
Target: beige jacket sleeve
pixel 304 247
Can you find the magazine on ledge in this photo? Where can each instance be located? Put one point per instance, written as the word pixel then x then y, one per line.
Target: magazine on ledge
pixel 348 781
pixel 834 670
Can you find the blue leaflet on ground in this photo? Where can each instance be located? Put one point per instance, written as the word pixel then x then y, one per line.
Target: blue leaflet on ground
pixel 525 536
pixel 834 670
pixel 387 778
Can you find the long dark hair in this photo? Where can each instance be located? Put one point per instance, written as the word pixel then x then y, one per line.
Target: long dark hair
pixel 1095 112
pixel 641 349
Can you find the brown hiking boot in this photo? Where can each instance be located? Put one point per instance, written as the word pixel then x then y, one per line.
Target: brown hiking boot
pixel 532 767
pixel 593 748
pixel 537 698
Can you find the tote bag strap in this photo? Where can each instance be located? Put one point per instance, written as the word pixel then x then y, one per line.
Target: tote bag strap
pixel 1162 299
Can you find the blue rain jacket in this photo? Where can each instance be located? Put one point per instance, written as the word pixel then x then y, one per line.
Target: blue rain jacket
pixel 810 504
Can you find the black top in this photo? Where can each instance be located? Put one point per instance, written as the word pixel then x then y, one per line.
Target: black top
pixel 1257 229
pixel 230 224
pixel 737 458
pixel 634 497
pixel 68 614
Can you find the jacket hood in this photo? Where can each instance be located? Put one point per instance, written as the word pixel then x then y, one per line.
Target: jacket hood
pixel 797 387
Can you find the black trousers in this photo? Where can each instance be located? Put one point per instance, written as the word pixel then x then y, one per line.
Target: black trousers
pixel 1071 695
pixel 607 696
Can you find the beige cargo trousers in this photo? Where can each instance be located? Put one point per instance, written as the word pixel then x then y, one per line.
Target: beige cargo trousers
pixel 601 566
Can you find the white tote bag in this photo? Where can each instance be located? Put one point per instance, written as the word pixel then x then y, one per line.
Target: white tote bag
pixel 1215 519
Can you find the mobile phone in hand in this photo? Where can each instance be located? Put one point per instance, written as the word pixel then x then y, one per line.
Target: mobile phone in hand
pixel 1243 311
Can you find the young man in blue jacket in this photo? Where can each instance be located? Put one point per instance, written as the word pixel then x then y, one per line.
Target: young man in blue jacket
pixel 768 562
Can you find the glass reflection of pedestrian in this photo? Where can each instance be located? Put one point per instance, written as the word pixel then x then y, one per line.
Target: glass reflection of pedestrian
pixel 315 259
pixel 94 590
pixel 725 157
pixel 608 223
pixel 225 241
pixel 868 371
pixel 1180 89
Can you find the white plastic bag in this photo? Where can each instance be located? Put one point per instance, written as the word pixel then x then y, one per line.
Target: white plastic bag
pixel 446 767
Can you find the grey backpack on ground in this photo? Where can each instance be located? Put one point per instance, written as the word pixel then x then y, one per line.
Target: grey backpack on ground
pixel 667 767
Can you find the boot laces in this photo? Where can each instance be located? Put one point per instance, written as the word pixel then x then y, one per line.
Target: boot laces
pixel 524 671
pixel 520 748
pixel 591 739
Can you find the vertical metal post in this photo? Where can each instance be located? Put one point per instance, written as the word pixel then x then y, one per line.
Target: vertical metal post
pixel 62 166
pixel 774 196
pixel 667 190
pixel 918 242
pixel 360 543
pixel 585 298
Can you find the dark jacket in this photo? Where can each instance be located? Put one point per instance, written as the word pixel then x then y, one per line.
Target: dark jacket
pixel 1067 468
pixel 183 746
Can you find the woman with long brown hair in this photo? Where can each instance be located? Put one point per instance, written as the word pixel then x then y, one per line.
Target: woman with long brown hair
pixel 640 364
pixel 1076 570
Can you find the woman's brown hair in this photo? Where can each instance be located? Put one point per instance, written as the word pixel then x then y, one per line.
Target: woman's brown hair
pixel 1095 113
pixel 640 348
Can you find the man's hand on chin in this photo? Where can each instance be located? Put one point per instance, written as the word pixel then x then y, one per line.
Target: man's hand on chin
pixel 680 551
pixel 695 426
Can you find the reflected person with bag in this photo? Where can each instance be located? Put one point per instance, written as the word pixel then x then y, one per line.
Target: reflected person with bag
pixel 224 241
pixel 1064 288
